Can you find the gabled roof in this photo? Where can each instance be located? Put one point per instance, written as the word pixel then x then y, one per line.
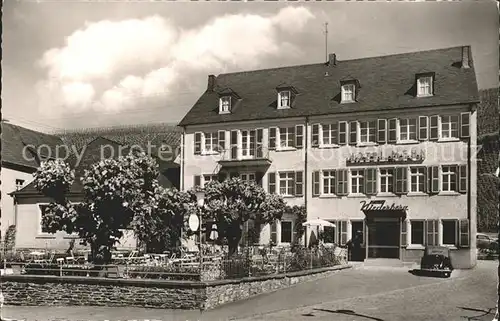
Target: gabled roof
pixel 96 150
pixel 388 82
pixel 38 146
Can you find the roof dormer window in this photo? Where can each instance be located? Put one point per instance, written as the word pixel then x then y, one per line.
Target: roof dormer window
pixel 425 85
pixel 225 105
pixel 348 92
pixel 286 95
pixel 284 99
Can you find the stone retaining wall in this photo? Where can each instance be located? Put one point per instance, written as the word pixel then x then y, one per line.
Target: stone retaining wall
pixel 41 290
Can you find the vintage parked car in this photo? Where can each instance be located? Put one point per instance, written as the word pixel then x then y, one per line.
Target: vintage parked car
pixel 483 241
pixel 436 261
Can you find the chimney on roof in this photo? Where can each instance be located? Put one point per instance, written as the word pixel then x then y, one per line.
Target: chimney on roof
pixel 466 56
pixel 332 59
pixel 211 83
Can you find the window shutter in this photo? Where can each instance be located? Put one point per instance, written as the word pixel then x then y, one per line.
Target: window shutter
pixel 299 137
pixel 271 183
pixel 382 131
pixel 401 186
pixel 342 232
pixel 197 180
pixel 315 182
pixel 463 179
pixel 464 125
pixel 370 181
pixel 272 138
pixel 315 135
pixel 434 128
pixel 234 144
pixel 342 133
pixel 299 184
pixel 353 132
pixel 197 143
pixel 464 235
pixel 260 138
pixel 404 233
pixel 423 128
pixel 392 131
pixel 274 234
pixel 433 179
pixel 341 176
pixel 222 141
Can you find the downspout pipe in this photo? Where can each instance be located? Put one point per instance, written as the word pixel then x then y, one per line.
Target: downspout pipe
pixel 306 175
pixel 183 155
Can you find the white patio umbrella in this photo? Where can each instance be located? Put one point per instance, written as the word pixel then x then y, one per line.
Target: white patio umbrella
pixel 318 222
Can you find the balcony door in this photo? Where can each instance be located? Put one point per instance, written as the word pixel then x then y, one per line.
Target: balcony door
pixel 248 140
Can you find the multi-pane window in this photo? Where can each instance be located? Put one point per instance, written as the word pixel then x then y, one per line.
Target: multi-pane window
pixel 386 180
pixel 19 184
pixel 424 86
pixel 357 182
pixel 286 232
pixel 367 131
pixel 287 136
pixel 286 183
pixel 225 104
pixel 449 126
pixel 247 177
pixel 348 93
pixel 448 178
pixel 408 129
pixel 329 182
pixel 417 232
pixel 284 99
pixel 417 179
pixel 211 142
pixel 329 132
pixel 449 232
pixel 248 143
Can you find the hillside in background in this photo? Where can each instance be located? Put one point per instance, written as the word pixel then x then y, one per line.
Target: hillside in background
pixel 488 138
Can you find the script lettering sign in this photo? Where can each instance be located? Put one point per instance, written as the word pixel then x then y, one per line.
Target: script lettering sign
pixel 381 206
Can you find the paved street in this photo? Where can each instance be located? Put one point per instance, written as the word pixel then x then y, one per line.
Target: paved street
pixel 370 293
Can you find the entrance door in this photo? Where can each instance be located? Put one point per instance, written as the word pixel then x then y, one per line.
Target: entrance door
pixel 355 227
pixel 383 238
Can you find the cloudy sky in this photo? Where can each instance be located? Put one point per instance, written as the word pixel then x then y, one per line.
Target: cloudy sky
pixel 88 64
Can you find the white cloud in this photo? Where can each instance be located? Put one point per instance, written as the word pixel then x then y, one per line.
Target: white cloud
pixel 153 57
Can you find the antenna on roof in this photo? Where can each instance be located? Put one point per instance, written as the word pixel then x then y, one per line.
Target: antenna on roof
pixel 326 41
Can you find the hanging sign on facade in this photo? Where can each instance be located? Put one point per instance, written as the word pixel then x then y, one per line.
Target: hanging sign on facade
pixel 386 157
pixel 381 206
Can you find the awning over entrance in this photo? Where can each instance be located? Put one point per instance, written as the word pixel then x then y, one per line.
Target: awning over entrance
pixel 379 209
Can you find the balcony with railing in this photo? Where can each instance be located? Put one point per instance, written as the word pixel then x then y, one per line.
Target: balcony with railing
pixel 241 157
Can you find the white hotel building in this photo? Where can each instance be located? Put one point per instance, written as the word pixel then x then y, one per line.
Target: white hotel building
pixel 383 145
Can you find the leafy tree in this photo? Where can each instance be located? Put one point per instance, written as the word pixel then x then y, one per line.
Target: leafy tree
pixel 119 194
pixel 233 202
